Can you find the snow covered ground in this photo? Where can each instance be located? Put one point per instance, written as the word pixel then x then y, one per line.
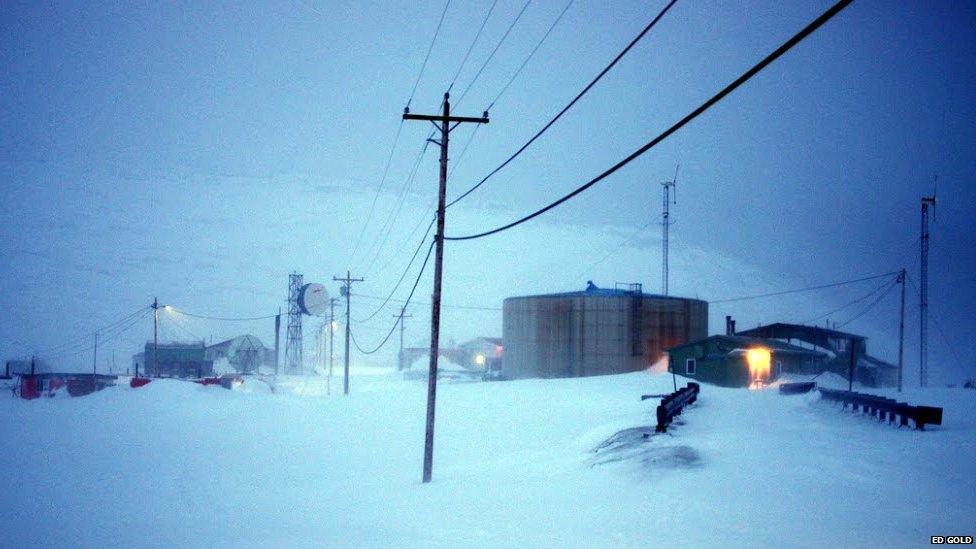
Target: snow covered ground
pixel 175 464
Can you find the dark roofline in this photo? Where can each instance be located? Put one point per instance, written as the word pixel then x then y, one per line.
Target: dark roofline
pixel 172 345
pixel 773 344
pixel 604 292
pixel 825 331
pixel 492 340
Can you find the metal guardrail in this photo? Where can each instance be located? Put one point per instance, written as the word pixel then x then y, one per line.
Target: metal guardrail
pixel 672 404
pixel 886 408
pixel 797 388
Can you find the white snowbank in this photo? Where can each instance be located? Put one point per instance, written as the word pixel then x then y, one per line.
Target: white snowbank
pixel 178 464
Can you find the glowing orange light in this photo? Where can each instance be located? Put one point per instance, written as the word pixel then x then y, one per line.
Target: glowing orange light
pixel 759 359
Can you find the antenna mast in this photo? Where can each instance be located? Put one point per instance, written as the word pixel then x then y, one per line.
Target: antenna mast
pixel 923 301
pixel 665 225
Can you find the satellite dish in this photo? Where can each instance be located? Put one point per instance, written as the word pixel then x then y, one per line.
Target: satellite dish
pixel 313 300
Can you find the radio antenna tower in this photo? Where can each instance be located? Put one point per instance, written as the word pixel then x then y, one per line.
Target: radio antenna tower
pixel 666 224
pixel 293 342
pixel 923 294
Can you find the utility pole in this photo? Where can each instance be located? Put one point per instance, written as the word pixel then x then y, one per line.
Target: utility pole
pixel 445 120
pixel 923 302
pixel 95 356
pixel 400 318
pixel 277 338
pixel 902 279
pixel 328 381
pixel 666 225
pixel 155 307
pixel 346 291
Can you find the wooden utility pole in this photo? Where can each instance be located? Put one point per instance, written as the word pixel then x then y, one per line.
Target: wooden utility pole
pixel 155 307
pixel 347 291
pixel 445 120
pixel 95 356
pixel 902 279
pixel 400 318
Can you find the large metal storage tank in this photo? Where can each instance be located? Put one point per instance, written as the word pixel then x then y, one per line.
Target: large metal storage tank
pixel 596 331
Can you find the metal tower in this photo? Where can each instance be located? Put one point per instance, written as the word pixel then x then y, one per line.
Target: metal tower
pixel 293 343
pixel 665 225
pixel 923 295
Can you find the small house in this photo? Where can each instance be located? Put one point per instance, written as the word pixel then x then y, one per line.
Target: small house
pixel 740 361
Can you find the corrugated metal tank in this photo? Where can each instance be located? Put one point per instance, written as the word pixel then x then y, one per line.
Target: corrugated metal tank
pixel 595 332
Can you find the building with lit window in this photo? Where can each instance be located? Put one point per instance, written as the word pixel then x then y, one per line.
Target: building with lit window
pixel 742 361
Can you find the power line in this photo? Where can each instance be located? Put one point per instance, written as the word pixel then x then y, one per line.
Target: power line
pixel 568 105
pixel 395 213
pixel 428 304
pixel 429 49
pixel 396 139
pixel 83 338
pixel 402 309
pixel 799 290
pixel 379 189
pixel 402 276
pixel 729 300
pixel 789 44
pixel 492 54
pixel 850 304
pixel 207 317
pixel 105 336
pixel 869 307
pixel 532 53
pixel 413 233
pixel 464 149
pixel 473 42
pixel 186 330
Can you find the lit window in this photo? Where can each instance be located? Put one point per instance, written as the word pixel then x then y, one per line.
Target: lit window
pixel 690 366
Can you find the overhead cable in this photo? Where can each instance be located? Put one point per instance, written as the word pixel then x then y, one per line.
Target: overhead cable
pixel 568 105
pixel 379 189
pixel 531 53
pixel 788 45
pixel 402 276
pixel 208 317
pixel 492 54
pixel 799 290
pixel 81 339
pixel 395 212
pixel 402 309
pixel 429 49
pixel 473 42
pixel 869 307
pixel 877 289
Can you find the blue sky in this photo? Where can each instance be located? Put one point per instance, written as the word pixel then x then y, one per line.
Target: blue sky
pixel 201 151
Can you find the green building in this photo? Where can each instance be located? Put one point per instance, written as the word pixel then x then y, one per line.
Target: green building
pixel 738 361
pixel 175 360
